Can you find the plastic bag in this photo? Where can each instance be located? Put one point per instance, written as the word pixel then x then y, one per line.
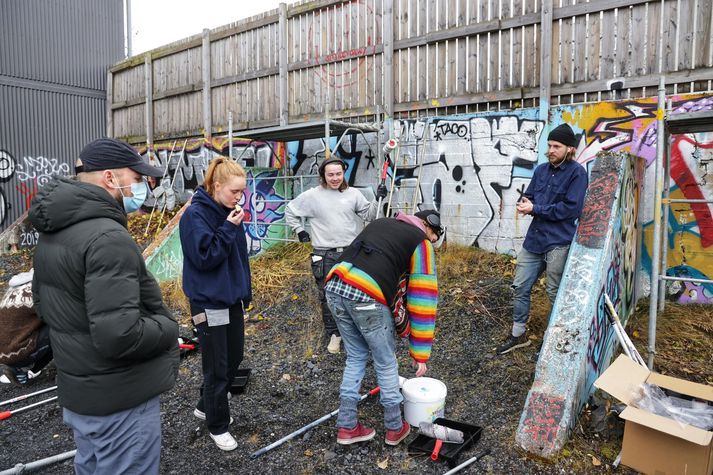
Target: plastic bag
pixel 684 410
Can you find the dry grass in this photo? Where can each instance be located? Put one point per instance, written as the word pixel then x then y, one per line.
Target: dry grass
pixel 684 340
pixel 275 270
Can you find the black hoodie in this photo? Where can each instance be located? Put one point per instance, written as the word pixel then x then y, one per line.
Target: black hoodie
pixel 114 342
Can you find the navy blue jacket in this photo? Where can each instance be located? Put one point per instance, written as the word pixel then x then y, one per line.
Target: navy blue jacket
pixel 557 194
pixel 216 270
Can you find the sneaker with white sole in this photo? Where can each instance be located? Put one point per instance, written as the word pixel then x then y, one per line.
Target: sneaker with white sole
pixel 334 343
pixel 224 441
pixel 201 415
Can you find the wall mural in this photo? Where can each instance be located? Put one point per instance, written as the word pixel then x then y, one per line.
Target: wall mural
pixel 476 167
pixel 472 168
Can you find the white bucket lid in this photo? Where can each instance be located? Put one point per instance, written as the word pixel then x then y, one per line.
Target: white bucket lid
pixel 424 390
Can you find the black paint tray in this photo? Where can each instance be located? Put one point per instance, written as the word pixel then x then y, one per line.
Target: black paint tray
pixel 240 381
pixel 449 451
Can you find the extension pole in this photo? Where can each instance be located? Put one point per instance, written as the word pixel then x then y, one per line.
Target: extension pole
pixel 304 429
pixel 468 462
pixel 7 414
pixel 25 467
pixel 27 396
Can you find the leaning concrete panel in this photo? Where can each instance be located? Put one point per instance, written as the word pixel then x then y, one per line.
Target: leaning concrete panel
pixel 579 341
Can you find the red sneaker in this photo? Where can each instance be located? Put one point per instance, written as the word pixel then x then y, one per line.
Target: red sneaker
pixel 359 433
pixel 394 437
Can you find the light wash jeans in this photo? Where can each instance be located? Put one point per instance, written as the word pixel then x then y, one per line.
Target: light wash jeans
pixel 529 268
pixel 367 327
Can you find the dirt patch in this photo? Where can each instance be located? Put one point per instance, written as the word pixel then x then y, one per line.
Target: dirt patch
pixel 295 381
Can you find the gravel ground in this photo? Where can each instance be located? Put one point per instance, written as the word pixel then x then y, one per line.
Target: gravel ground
pixel 295 381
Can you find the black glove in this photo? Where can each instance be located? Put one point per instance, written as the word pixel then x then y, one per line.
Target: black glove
pixel 303 236
pixel 381 191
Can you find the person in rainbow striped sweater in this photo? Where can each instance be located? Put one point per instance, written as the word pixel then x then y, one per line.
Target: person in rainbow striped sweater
pixel 361 290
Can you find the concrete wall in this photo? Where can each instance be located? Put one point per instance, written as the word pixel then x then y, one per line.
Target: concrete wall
pixel 579 341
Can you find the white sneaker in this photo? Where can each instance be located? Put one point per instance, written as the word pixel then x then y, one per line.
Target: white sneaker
pixel 334 343
pixel 224 441
pixel 201 415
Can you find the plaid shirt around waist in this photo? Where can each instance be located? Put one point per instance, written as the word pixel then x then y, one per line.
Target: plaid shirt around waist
pixel 341 288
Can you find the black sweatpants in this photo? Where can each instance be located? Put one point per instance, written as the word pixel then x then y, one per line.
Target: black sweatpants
pixel 222 352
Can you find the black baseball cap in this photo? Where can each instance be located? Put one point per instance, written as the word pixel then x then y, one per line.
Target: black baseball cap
pixel 432 218
pixel 109 154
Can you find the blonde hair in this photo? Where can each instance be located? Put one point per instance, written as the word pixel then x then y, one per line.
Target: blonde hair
pixel 220 170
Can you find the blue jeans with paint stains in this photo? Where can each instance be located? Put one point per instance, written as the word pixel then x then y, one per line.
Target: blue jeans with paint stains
pixel 529 268
pixel 367 327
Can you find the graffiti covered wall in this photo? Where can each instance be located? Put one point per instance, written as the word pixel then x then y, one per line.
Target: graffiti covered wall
pixel 185 164
pixel 474 168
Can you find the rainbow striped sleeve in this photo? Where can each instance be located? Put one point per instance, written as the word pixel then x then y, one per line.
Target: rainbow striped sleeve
pixel 422 301
pixel 357 278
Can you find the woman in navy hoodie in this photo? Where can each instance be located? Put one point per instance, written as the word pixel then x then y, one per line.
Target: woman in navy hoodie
pixel 216 280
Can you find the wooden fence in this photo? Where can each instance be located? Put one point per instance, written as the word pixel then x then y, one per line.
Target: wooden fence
pixel 409 58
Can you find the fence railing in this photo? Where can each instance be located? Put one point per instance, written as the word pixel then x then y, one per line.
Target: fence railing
pixel 409 58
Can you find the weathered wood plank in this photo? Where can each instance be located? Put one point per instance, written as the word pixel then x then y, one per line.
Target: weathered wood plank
pixel 653 34
pixel 638 35
pixel 607 70
pixel 684 43
pixel 623 42
pixel 704 38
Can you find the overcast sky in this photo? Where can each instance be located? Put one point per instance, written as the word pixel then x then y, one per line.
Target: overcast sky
pixel 158 22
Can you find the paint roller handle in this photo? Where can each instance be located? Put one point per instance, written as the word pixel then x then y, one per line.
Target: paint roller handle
pixel 374 391
pixel 436 449
pixel 5 415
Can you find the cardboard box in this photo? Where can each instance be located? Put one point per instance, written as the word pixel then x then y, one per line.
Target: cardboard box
pixel 655 444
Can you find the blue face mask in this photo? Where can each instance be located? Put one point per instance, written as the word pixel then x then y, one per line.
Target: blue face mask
pixel 133 203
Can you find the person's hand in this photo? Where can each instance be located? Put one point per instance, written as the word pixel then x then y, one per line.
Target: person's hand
pixel 303 236
pixel 236 216
pixel 381 191
pixel 525 206
pixel 421 368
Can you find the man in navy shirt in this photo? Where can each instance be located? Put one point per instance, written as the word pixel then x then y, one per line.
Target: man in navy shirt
pixel 554 199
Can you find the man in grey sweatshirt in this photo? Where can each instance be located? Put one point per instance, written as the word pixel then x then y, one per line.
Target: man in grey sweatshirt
pixel 336 214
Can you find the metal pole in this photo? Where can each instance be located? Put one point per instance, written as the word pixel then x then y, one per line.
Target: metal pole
pixel 230 135
pixel 327 152
pixel 304 429
pixel 128 28
pixel 468 462
pixel 656 253
pixel 26 396
pixel 666 209
pixel 24 467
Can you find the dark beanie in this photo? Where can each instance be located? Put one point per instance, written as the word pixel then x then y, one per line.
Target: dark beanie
pixel 564 135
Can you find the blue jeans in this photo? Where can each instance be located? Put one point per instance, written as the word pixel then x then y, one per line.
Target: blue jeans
pixel 126 442
pixel 529 268
pixel 367 327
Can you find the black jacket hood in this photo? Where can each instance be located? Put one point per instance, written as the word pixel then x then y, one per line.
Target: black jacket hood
pixel 63 202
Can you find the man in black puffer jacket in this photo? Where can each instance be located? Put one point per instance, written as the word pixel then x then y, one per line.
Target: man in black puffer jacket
pixel 115 343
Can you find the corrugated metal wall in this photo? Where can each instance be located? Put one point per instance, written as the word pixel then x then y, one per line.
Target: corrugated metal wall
pixel 54 57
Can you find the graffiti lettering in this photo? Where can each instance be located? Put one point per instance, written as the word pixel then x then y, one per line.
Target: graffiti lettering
pixel 40 169
pixel 541 421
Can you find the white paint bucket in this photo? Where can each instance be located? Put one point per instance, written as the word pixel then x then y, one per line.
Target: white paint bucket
pixel 424 400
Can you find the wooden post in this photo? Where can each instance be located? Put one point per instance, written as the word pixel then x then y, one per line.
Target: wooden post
pixel 282 58
pixel 388 81
pixel 545 71
pixel 207 112
pixel 148 75
pixel 109 102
